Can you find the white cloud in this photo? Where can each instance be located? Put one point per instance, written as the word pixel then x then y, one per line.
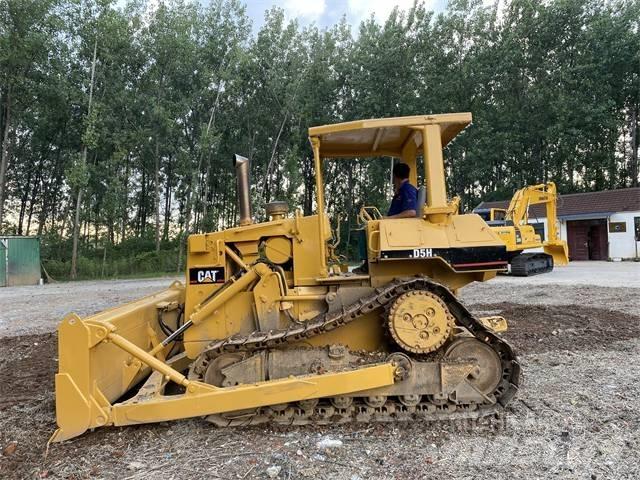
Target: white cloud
pixel 304 9
pixel 362 9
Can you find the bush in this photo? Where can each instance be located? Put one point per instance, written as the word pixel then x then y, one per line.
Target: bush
pixel 117 265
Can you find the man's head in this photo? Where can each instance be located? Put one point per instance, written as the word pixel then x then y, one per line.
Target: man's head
pixel 400 174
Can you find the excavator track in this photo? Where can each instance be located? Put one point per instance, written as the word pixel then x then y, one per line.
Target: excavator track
pixel 528 264
pixel 363 409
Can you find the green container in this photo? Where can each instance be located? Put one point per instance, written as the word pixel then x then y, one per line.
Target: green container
pixel 19 261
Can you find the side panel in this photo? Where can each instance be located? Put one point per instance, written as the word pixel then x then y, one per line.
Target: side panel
pixel 307 265
pixel 463 244
pixel 234 317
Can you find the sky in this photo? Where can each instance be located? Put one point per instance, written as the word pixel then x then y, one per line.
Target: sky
pixel 328 12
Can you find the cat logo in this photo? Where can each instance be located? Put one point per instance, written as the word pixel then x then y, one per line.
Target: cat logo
pixel 202 275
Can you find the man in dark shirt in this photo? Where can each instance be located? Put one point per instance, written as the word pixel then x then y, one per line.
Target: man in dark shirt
pixel 404 203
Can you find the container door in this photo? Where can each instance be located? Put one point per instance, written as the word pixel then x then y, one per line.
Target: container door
pixel 3 263
pixel 24 261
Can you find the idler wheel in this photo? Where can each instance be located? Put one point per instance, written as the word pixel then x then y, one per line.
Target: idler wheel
pixel 402 363
pixel 487 376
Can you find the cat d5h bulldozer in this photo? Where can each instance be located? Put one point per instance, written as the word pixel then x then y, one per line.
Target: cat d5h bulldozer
pixel 272 327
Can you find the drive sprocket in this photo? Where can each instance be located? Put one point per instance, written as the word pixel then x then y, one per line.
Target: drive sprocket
pixel 420 322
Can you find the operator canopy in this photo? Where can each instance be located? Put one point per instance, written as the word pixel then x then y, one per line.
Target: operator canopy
pixel 384 136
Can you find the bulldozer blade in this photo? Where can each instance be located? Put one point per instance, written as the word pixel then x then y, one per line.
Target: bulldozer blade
pixel 559 251
pixel 93 372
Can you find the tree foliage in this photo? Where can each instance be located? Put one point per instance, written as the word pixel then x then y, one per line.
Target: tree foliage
pixel 554 87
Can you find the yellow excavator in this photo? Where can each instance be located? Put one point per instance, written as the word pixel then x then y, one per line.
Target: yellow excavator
pixel 272 327
pixel 512 226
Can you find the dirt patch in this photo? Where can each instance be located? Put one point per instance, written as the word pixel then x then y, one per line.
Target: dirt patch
pixel 540 328
pixel 575 417
pixel 511 290
pixel 28 364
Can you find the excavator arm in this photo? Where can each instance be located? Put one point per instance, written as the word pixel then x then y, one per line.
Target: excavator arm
pixel 518 214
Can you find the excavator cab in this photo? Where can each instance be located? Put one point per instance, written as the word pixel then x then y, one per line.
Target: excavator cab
pixel 495 217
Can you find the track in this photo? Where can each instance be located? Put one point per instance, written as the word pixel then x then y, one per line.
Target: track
pixel 362 409
pixel 528 264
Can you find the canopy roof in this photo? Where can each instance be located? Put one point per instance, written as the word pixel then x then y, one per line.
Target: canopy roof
pixel 384 136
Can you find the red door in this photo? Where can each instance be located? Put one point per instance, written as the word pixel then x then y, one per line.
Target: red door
pixel 578 240
pixel 598 241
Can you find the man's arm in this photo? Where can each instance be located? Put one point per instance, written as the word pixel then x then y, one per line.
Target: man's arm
pixel 405 214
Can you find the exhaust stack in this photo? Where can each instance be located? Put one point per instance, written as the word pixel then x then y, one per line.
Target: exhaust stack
pixel 242 188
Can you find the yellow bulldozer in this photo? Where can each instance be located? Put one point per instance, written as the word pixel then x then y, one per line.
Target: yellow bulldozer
pixel 512 226
pixel 272 327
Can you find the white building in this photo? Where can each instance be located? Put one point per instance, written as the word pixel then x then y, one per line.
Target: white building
pixel 596 225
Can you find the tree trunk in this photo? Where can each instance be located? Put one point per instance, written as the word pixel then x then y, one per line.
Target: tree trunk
pixel 42 216
pixel 183 238
pixel 205 200
pixel 104 260
pixel 265 186
pixel 634 147
pixel 32 201
pixel 76 222
pixel 167 203
pixel 142 227
pixel 23 202
pixel 4 158
pixel 156 199
pixel 125 201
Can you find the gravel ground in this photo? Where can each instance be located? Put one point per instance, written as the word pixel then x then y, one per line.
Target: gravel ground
pixel 575 416
pixel 39 309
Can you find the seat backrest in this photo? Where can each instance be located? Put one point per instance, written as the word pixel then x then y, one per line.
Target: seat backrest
pixel 421 200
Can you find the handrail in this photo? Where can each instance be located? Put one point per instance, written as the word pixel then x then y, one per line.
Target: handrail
pixel 364 216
